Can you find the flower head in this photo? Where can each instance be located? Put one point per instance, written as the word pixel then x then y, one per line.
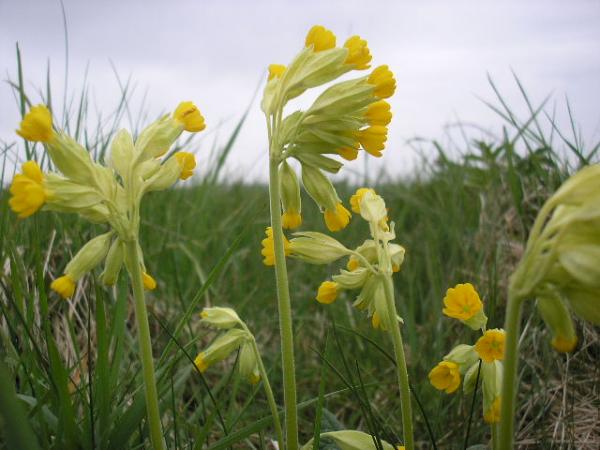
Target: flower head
pixel 64 286
pixel 187 162
pixel 268 247
pixel 490 346
pixel 276 71
pixel 372 139
pixel 320 38
pixel 27 190
pixel 188 115
pixel 337 219
pixel 445 376
pixel 37 125
pixel 149 282
pixel 358 53
pixel 328 291
pixel 383 80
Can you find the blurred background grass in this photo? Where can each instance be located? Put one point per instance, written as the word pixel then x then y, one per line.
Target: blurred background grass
pixel 462 215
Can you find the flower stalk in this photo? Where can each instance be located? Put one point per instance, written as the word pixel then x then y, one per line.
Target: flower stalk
pixel 285 310
pixel 145 346
pixel 401 370
pixel 507 412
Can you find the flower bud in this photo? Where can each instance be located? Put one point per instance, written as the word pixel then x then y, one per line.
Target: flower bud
pixel 221 348
pixel 113 263
pixel 317 248
pixel 89 256
pixel 463 355
pixel 372 207
pixel 166 176
pixel 72 159
pixel 556 316
pixel 319 188
pixel 351 440
pixel 247 364
pixel 584 302
pixel 352 279
pixel 188 116
pixel 155 138
pixel 491 383
pixel 471 377
pixel 36 126
pixel 121 153
pixel 290 196
pixel 219 317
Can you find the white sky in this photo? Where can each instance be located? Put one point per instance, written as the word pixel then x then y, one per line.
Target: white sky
pixel 216 52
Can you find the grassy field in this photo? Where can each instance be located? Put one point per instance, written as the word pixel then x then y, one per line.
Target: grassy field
pixel 464 218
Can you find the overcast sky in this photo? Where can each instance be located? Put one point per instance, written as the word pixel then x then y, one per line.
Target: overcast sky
pixel 215 53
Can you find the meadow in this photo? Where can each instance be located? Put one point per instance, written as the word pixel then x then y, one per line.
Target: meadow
pixel 70 372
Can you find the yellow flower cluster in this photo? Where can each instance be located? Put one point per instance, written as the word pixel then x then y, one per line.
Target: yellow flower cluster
pixel 102 194
pixel 347 117
pixel 484 358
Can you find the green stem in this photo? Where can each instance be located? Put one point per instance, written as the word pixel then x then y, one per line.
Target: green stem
pixel 141 315
pixel 269 394
pixel 511 352
pixel 401 371
pixel 494 428
pixel 285 312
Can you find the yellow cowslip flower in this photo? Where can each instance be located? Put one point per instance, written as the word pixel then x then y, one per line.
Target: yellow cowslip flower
pixel 327 293
pixel 492 415
pixel 200 363
pixel 373 139
pixel 383 80
pixel 320 38
pixel 64 286
pixel 379 113
pixel 564 345
pixel 490 346
pixel 358 53
pixel 462 302
pixel 337 220
pixel 187 161
pixel 37 125
pixel 276 71
pixel 27 190
pixel 188 115
pixel 268 247
pixel 291 219
pixel 149 282
pixel 353 264
pixel 445 376
pixel 357 197
pixel 348 153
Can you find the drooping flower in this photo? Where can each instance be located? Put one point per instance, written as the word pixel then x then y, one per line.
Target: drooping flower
pixel 379 113
pixel 358 53
pixel 328 291
pixel 373 139
pixel 27 190
pixel 462 302
pixel 268 247
pixel 490 346
pixel 187 161
pixel 291 220
pixel 320 38
pixel 189 116
pixel 383 80
pixel 337 219
pixel 64 286
pixel 36 126
pixel 445 376
pixel 276 71
pixel 492 415
pixel 149 282
pixel 357 197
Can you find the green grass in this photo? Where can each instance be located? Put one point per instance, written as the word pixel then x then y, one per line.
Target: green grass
pixel 74 365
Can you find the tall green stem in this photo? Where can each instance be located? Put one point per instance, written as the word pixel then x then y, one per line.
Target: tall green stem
pixel 509 383
pixel 141 315
pixel 401 371
pixel 269 394
pixel 285 312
